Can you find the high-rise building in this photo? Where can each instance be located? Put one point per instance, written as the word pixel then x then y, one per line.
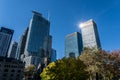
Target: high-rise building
pixel 73 45
pixel 53 56
pixel 5 40
pixel 47 46
pixel 38 40
pixel 90 34
pixel 21 45
pixel 13 49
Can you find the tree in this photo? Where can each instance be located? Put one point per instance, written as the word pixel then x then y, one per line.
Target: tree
pixel 88 56
pixel 29 71
pixel 101 63
pixel 38 71
pixel 65 69
pixel 114 62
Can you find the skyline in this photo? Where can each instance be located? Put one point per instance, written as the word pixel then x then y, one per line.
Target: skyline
pixel 64 19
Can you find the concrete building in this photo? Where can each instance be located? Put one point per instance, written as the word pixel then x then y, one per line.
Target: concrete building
pixel 90 34
pixel 13 49
pixel 5 40
pixel 73 45
pixel 38 40
pixel 11 69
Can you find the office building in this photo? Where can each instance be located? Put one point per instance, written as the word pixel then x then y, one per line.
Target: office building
pixel 47 46
pixel 53 56
pixel 90 34
pixel 73 45
pixel 21 45
pixel 11 69
pixel 38 40
pixel 13 49
pixel 5 40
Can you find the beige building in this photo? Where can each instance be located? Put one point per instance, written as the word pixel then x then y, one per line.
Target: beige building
pixel 90 35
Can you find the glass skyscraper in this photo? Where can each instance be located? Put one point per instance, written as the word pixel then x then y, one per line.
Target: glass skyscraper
pixel 21 45
pixel 13 49
pixel 53 56
pixel 5 40
pixel 73 45
pixel 90 34
pixel 38 33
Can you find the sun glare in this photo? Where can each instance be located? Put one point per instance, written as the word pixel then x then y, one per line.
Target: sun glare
pixel 81 25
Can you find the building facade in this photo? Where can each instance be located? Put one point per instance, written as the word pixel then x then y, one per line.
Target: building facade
pixel 90 34
pixel 21 45
pixel 5 40
pixel 11 69
pixel 73 45
pixel 53 56
pixel 13 49
pixel 38 39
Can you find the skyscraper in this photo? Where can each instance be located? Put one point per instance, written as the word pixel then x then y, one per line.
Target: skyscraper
pixel 21 44
pixel 13 49
pixel 5 39
pixel 73 45
pixel 47 46
pixel 38 33
pixel 90 34
pixel 53 56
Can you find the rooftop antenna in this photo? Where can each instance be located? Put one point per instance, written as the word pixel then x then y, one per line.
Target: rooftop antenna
pixel 48 16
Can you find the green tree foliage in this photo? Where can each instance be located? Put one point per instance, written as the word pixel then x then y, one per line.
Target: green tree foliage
pixel 65 69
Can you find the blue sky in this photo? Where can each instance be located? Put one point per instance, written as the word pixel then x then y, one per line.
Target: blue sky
pixel 65 15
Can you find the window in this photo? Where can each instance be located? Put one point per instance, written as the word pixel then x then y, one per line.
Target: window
pixel 4 75
pixel 13 70
pixel 18 75
pixel 11 75
pixel 6 70
pixel 3 78
pixel 19 71
pixel 6 65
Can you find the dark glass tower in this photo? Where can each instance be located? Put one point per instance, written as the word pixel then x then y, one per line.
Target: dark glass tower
pixel 5 40
pixel 38 36
pixel 73 45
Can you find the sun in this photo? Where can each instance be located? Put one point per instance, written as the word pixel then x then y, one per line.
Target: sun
pixel 80 25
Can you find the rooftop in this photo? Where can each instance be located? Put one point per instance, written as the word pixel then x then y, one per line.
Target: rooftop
pixel 87 23
pixel 6 59
pixel 72 34
pixel 37 13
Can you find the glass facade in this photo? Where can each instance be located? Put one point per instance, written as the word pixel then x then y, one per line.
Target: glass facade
pixel 73 45
pixel 21 44
pixel 90 35
pixel 39 42
pixel 5 39
pixel 47 46
pixel 13 49
pixel 53 56
pixel 38 30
